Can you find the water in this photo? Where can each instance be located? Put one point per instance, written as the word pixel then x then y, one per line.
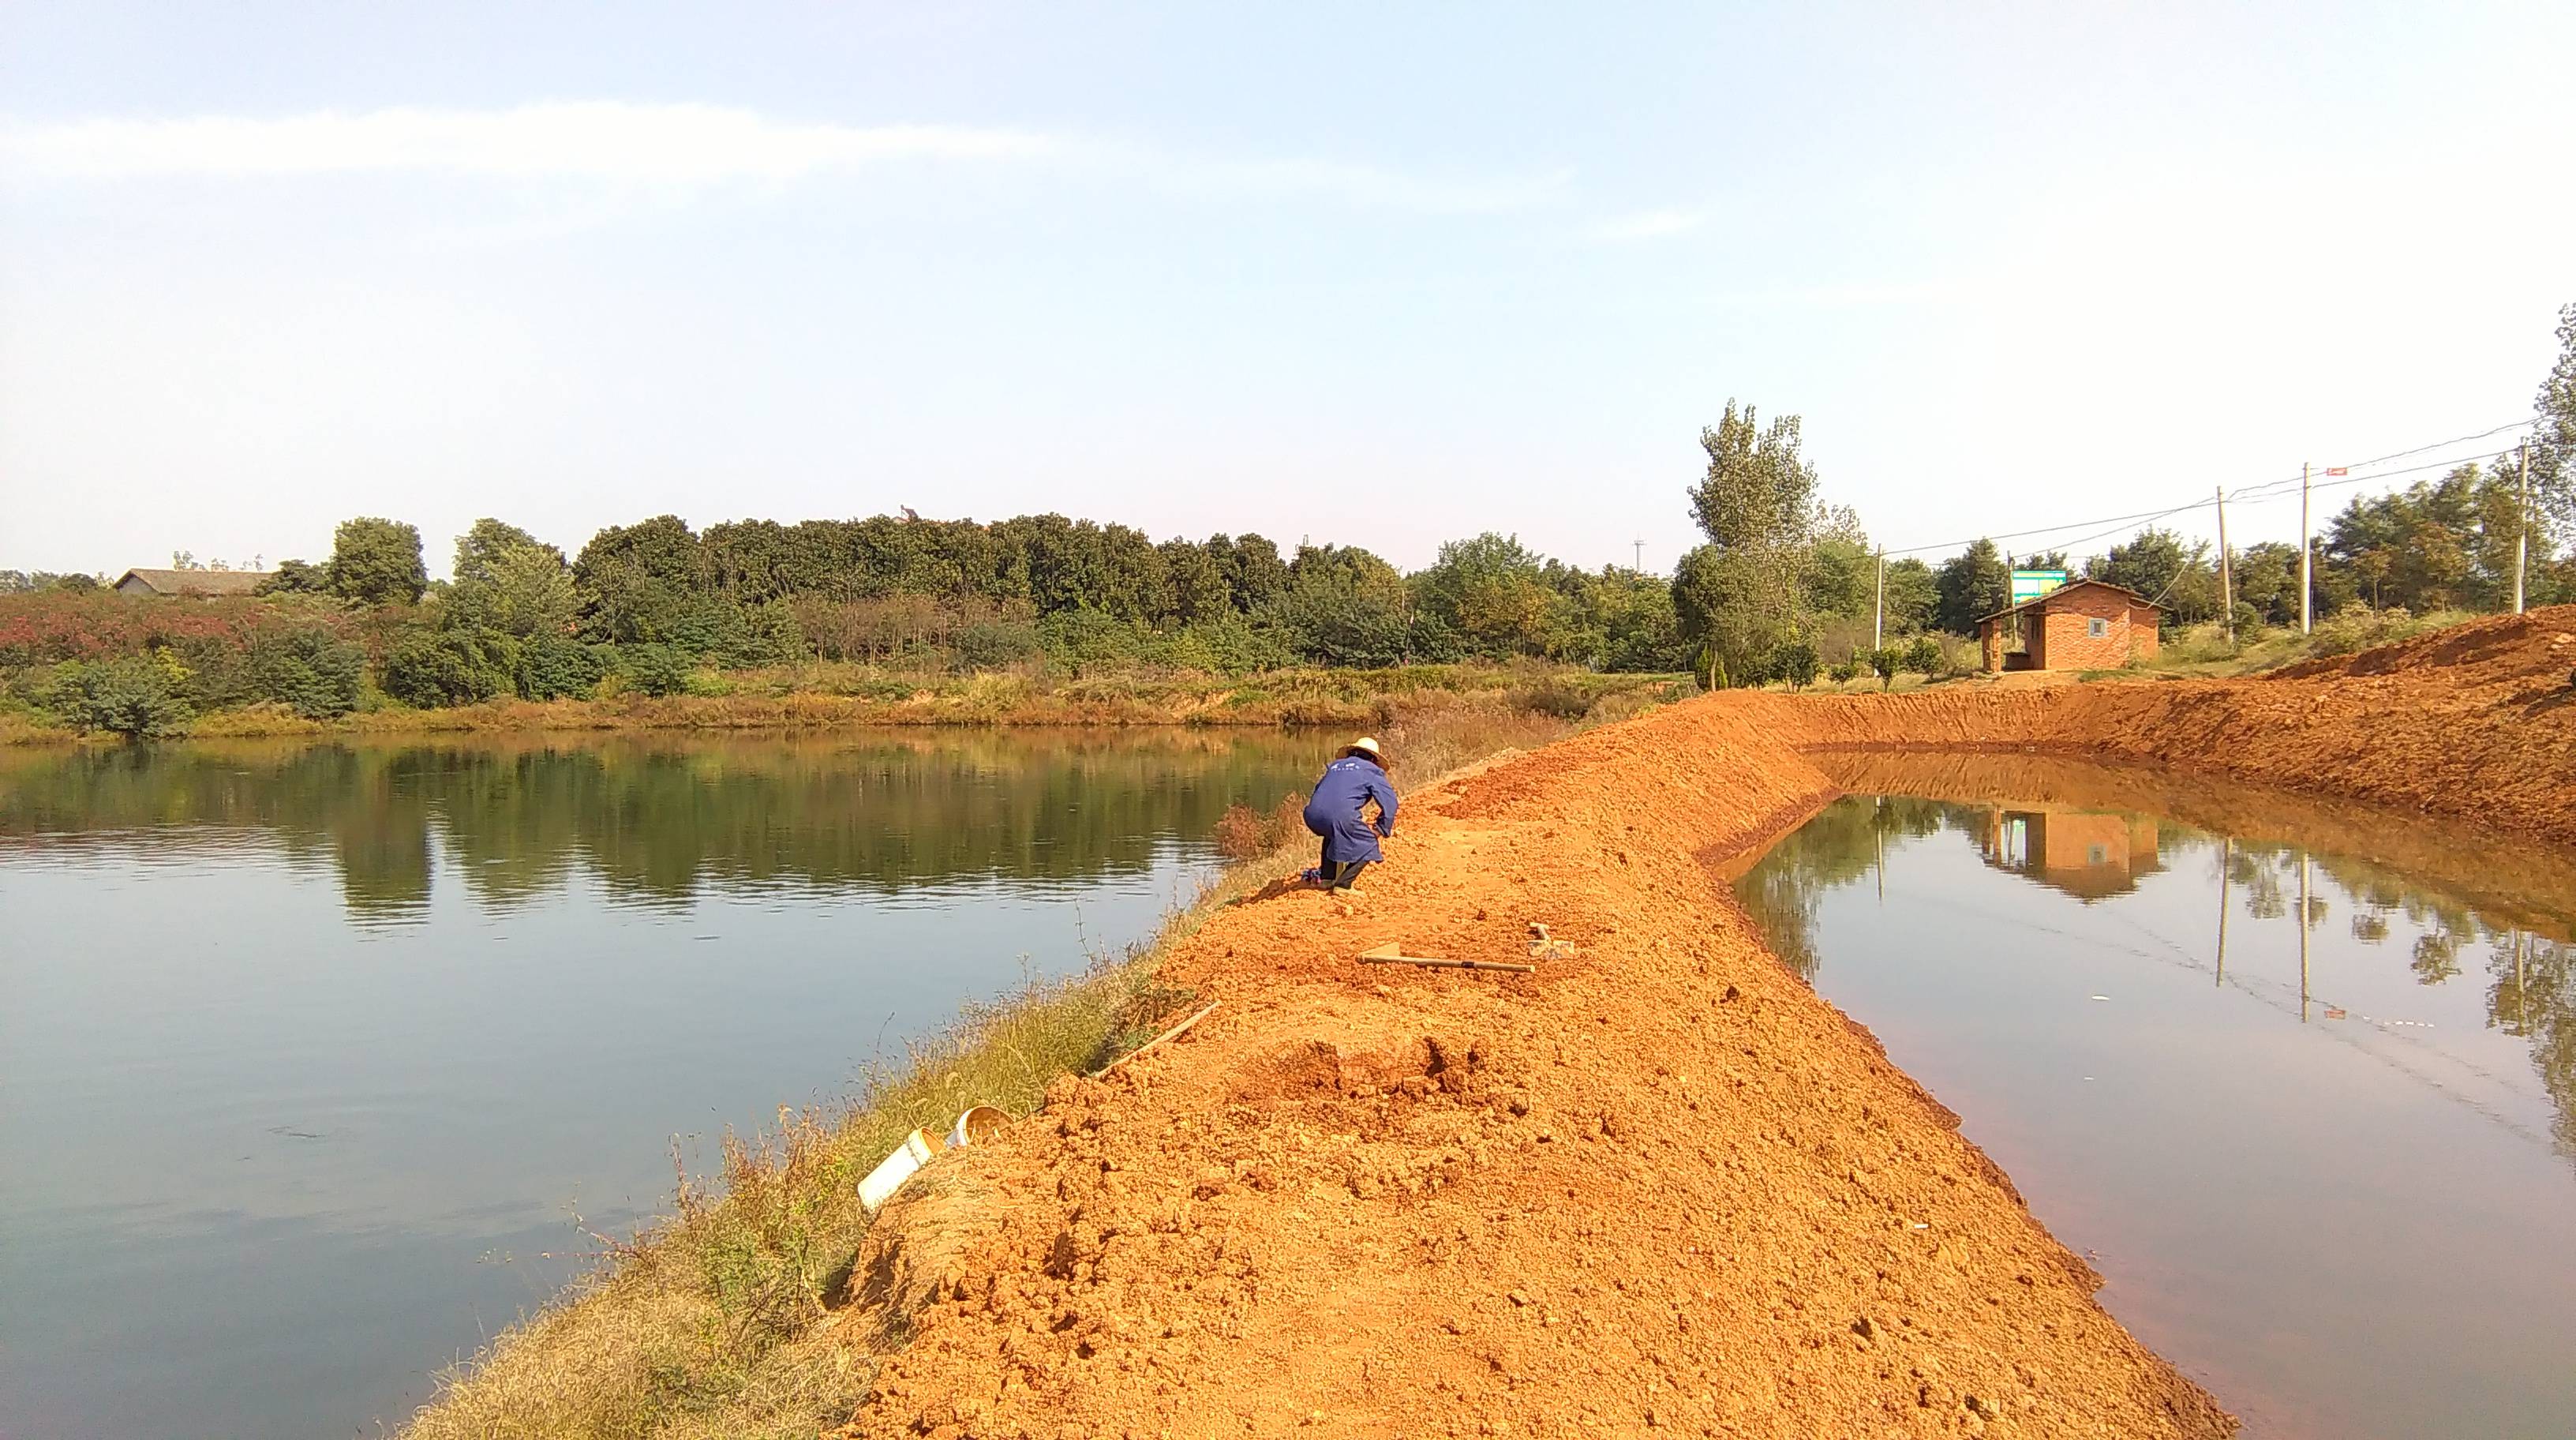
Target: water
pixel 2339 1190
pixel 311 1056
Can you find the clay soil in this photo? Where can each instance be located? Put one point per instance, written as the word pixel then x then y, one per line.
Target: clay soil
pixel 1659 1185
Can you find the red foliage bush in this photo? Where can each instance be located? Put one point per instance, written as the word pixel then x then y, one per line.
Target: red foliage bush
pixel 46 627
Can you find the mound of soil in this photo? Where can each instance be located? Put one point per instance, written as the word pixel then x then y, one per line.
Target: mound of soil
pixel 1658 1185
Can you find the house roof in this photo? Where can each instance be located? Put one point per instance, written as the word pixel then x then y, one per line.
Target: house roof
pixel 196 582
pixel 2064 589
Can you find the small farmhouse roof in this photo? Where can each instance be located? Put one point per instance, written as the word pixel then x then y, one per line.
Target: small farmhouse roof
pixel 196 582
pixel 2040 600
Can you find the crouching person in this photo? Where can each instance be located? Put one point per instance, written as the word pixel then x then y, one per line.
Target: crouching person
pixel 1338 811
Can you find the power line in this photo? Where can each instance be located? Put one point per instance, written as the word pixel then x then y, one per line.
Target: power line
pixel 2252 494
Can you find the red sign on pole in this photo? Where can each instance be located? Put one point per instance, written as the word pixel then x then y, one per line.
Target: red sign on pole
pixel 2337 470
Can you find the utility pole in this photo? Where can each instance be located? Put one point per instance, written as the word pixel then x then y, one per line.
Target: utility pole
pixel 1878 610
pixel 2303 937
pixel 2306 590
pixel 2522 507
pixel 2226 582
pixel 2226 853
pixel 1640 566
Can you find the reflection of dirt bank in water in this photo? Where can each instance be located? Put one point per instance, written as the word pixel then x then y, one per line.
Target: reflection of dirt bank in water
pixel 1657 1184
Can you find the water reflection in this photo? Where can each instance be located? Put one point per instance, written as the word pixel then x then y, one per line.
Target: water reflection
pixel 320 1048
pixel 2307 1078
pixel 2529 990
pixel 658 819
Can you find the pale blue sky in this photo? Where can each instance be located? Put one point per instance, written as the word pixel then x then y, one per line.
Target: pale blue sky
pixel 1370 277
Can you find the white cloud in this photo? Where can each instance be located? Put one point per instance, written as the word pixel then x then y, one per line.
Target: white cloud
pixel 677 145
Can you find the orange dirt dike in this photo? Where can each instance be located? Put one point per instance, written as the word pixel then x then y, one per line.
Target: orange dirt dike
pixel 1657 1185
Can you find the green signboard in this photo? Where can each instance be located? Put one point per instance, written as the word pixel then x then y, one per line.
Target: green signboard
pixel 2031 584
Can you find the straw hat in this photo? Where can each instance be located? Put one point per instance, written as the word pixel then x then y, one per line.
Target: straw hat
pixel 1365 745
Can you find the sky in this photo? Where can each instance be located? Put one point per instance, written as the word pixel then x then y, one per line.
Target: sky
pixel 1366 274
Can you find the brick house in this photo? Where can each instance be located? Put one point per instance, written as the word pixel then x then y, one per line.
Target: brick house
pixel 2089 625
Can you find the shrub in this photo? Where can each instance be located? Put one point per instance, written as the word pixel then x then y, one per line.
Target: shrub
pixel 312 671
pixel 1796 663
pixel 1923 656
pixel 450 667
pixel 1886 661
pixel 654 669
pixel 1088 637
pixel 996 643
pixel 1555 700
pixel 554 667
pixel 1847 671
pixel 133 696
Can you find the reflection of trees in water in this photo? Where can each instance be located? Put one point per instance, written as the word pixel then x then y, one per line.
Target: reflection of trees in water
pixel 2531 993
pixel 665 820
pixel 1785 892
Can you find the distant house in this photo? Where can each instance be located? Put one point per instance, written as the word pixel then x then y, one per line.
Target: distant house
pixel 2089 625
pixel 190 582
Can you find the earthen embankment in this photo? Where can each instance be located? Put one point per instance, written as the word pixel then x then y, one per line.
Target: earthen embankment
pixel 1657 1185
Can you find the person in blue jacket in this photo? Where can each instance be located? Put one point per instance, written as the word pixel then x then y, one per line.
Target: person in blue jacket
pixel 1338 811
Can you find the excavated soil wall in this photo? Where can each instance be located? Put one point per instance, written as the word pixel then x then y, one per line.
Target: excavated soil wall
pixel 1657 1185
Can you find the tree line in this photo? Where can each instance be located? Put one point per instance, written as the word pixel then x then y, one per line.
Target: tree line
pixel 1785 586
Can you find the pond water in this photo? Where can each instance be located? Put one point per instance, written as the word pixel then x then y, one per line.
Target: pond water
pixel 310 1056
pixel 2327 1169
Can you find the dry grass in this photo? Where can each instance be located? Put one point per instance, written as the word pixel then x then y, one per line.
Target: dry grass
pixel 2204 649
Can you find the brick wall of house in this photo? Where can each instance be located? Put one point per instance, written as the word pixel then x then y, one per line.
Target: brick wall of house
pixel 2065 640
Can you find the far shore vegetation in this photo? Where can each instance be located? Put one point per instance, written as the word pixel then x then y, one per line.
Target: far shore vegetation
pixel 1041 619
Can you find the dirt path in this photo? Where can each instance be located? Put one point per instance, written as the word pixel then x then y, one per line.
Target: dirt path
pixel 1657 1185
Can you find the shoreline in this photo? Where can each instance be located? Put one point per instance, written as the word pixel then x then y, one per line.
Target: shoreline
pixel 1661 1183
pixel 989 701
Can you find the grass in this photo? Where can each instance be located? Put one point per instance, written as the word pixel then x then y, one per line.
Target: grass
pixel 716 1321
pixel 2205 650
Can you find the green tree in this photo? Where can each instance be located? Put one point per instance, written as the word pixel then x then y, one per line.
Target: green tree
pixel 296 577
pixel 1923 656
pixel 654 669
pixel 1842 569
pixel 1886 660
pixel 642 582
pixel 1757 504
pixel 450 667
pixel 1913 596
pixel 2159 565
pixel 135 696
pixel 2553 439
pixel 376 561
pixel 508 580
pixel 1797 663
pixel 1970 586
pixel 310 669
pixel 1490 591
pixel 2266 577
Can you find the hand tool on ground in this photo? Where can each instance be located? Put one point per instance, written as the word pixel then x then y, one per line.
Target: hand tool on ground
pixel 1393 955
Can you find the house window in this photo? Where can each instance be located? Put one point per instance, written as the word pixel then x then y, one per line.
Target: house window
pixel 2098 628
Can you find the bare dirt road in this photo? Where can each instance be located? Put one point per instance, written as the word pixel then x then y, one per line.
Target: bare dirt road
pixel 1659 1185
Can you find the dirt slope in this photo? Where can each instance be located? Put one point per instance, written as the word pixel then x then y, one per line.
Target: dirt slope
pixel 1658 1185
